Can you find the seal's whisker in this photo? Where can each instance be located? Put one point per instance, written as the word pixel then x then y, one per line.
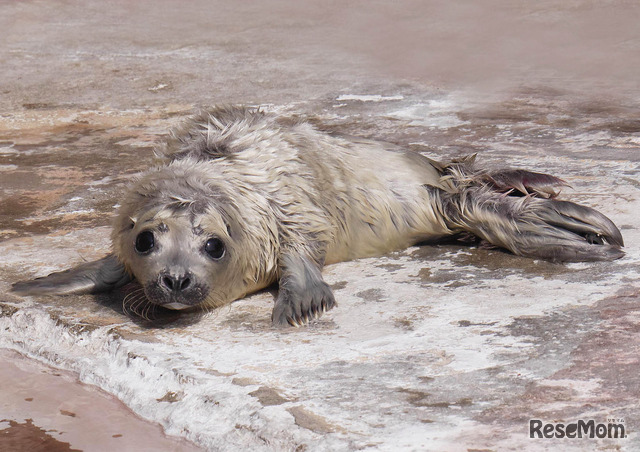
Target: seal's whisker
pixel 145 311
pixel 137 304
pixel 128 299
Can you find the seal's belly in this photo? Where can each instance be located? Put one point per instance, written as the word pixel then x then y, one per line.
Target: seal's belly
pixel 378 220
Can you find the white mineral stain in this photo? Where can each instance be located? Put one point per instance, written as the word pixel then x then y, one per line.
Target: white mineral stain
pixel 367 97
pixel 435 113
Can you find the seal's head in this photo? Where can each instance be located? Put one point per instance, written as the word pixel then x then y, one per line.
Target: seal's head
pixel 177 256
pixel 179 238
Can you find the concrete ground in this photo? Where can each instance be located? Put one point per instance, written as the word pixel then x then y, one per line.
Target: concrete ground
pixel 444 347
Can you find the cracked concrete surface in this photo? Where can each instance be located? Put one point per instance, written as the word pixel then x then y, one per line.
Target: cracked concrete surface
pixel 443 347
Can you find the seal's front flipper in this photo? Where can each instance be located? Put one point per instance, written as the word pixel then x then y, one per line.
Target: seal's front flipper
pixel 99 276
pixel 303 294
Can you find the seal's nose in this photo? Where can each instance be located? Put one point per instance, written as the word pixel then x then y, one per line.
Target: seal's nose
pixel 175 283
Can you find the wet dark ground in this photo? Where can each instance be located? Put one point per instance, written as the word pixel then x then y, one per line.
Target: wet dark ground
pixel 28 437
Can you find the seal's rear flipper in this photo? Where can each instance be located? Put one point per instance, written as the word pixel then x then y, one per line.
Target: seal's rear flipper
pixel 99 276
pixel 559 231
pixel 525 183
pixel 516 210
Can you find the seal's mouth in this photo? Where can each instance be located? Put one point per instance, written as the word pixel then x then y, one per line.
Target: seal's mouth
pixel 176 306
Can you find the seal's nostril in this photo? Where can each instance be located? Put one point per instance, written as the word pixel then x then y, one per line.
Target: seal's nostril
pixel 168 282
pixel 176 283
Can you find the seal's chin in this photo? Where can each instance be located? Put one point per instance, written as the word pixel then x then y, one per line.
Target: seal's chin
pixel 176 306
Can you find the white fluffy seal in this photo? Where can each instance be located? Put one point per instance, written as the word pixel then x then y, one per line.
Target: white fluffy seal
pixel 244 199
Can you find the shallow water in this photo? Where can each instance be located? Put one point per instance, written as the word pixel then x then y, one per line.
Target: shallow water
pixel 45 409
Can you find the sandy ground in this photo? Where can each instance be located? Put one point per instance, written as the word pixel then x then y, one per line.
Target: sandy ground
pixel 434 348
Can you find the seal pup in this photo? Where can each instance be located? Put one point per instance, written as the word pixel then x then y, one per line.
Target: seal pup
pixel 242 199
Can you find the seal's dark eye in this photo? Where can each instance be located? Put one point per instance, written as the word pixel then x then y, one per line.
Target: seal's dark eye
pixel 214 248
pixel 144 242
